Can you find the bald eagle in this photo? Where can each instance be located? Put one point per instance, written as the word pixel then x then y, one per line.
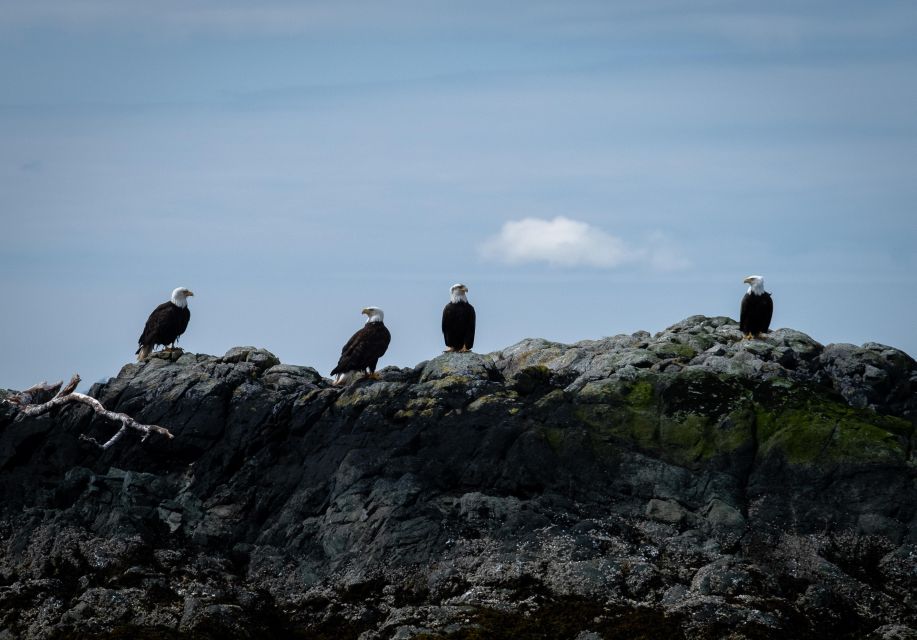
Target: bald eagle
pixel 365 347
pixel 458 321
pixel 757 308
pixel 168 321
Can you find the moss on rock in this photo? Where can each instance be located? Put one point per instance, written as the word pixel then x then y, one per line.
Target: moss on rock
pixel 686 419
pixel 813 428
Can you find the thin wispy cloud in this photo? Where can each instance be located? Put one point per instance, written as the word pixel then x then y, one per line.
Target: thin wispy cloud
pixel 765 28
pixel 777 24
pixel 233 16
pixel 563 242
pixel 32 166
pixel 240 18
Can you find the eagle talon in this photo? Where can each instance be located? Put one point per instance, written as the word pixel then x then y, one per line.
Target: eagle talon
pixel 448 350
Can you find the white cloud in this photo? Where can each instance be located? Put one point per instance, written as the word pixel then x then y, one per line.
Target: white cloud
pixel 570 243
pixel 663 255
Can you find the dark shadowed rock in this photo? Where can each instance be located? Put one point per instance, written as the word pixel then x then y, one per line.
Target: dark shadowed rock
pixel 684 484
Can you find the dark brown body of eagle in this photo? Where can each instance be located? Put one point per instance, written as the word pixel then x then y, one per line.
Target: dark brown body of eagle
pixel 756 313
pixel 363 350
pixel 165 324
pixel 458 325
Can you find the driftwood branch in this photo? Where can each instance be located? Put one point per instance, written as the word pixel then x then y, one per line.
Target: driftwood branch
pixel 71 386
pixel 36 394
pixel 32 402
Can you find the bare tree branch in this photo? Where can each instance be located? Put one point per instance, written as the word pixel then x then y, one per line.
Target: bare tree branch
pixel 71 386
pixel 27 405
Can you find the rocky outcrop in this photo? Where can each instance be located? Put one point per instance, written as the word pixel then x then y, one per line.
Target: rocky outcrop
pixel 688 484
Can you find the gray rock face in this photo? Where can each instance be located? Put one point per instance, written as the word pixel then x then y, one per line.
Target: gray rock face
pixel 688 484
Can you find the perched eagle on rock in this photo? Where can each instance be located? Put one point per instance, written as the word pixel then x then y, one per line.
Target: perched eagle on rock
pixel 757 308
pixel 458 320
pixel 168 321
pixel 365 347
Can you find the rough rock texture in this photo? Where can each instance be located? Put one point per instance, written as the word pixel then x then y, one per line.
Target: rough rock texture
pixel 687 484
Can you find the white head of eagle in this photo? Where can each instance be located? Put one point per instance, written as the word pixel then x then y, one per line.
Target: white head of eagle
pixel 180 297
pixel 755 284
pixel 458 292
pixel 373 314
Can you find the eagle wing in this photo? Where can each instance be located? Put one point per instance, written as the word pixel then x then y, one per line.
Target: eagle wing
pixel 165 324
pixel 767 309
pixel 745 312
pixel 364 348
pixel 755 310
pixel 469 330
pixel 151 329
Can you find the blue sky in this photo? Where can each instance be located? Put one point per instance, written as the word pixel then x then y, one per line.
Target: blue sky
pixel 586 168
